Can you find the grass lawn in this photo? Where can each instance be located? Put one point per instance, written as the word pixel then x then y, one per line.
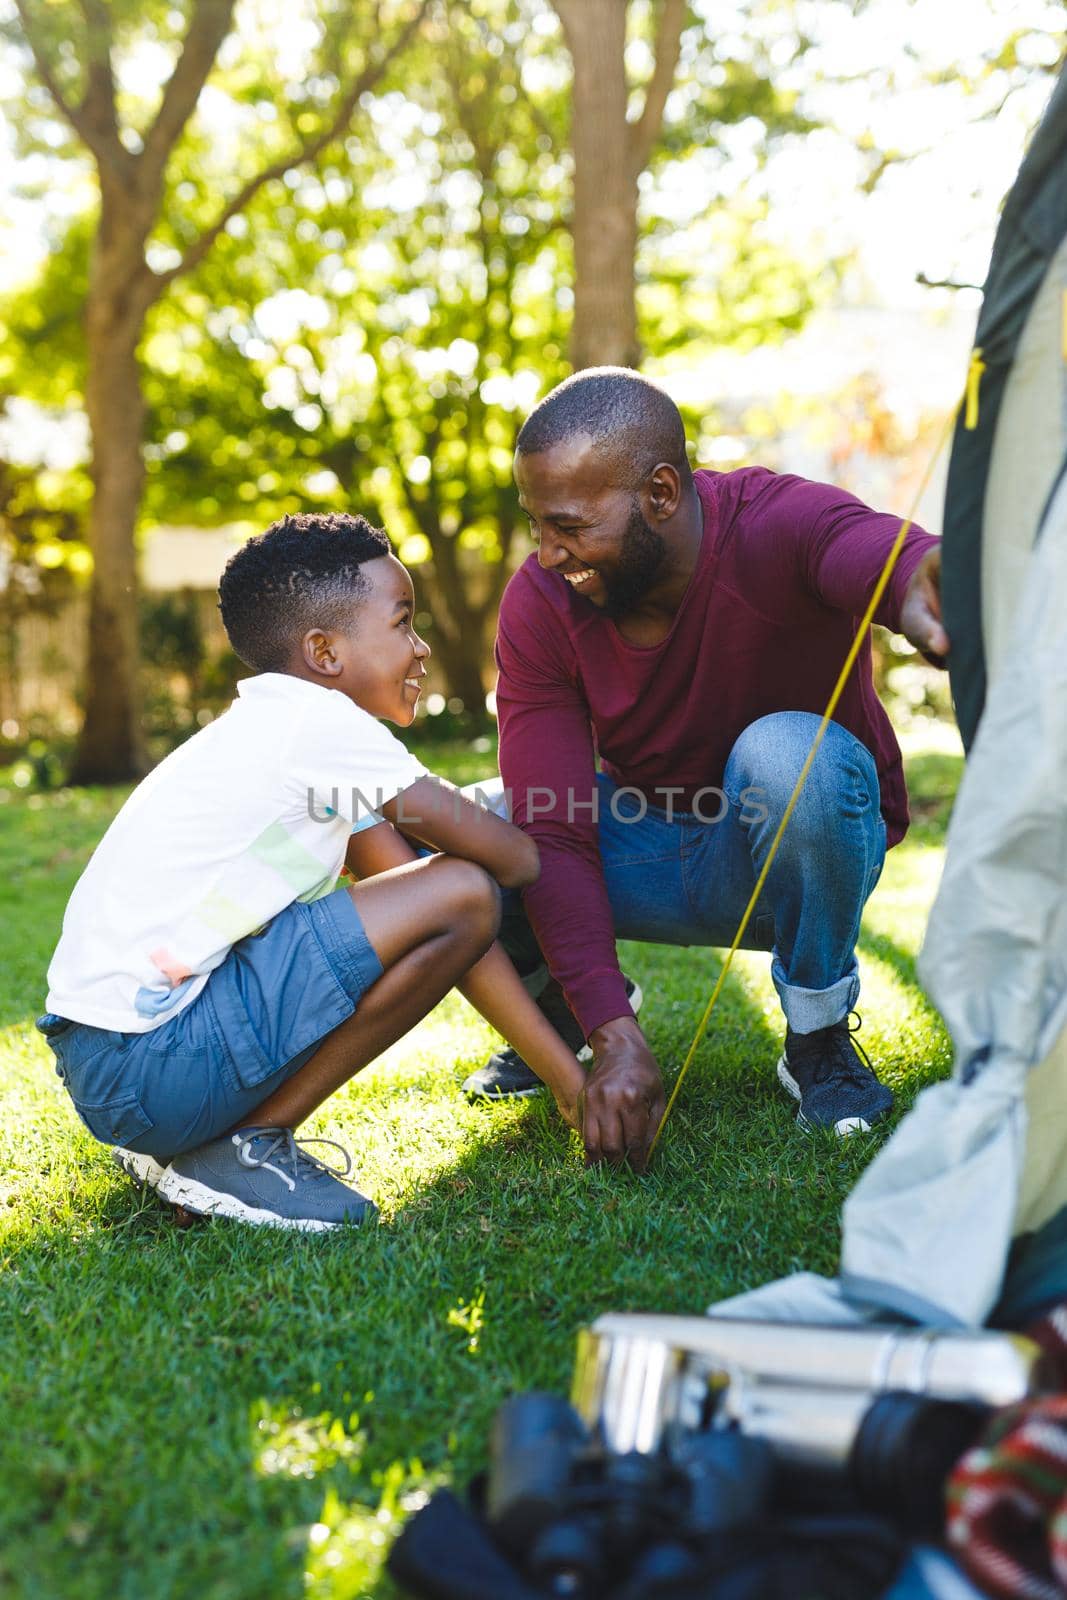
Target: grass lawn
pixel 223 1413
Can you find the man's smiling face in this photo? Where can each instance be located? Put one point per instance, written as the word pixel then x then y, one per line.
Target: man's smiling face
pixel 589 528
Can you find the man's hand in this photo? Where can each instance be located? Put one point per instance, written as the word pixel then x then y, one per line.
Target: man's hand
pixel 920 614
pixel 622 1104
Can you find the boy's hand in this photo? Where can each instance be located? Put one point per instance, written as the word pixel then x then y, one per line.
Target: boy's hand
pixel 568 1110
pixel 622 1105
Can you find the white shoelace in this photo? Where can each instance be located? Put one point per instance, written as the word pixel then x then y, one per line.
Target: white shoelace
pixel 283 1147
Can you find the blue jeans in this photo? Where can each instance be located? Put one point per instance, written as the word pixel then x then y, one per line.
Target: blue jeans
pixel 685 879
pixel 259 1018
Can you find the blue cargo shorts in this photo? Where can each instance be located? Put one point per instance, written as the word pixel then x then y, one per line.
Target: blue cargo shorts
pixel 258 1019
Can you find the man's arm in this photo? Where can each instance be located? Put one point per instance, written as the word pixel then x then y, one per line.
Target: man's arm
pixel 840 547
pixel 547 762
pixel 549 773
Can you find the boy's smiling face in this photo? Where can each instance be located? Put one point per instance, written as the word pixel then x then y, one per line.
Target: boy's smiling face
pixel 377 659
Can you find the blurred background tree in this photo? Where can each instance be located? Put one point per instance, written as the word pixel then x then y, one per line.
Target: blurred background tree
pixel 370 251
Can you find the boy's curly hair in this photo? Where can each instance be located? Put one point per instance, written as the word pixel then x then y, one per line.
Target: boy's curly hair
pixel 304 572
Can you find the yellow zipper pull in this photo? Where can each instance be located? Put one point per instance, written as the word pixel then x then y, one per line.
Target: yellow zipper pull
pixel 974 378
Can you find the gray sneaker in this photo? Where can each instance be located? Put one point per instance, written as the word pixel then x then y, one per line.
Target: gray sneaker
pixel 264 1176
pixel 144 1172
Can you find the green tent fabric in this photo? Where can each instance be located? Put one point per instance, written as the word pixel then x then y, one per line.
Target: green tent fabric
pixel 1036 1277
pixel 981 1161
pixel 1030 234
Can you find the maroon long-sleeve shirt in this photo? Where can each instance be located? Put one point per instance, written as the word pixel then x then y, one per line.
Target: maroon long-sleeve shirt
pixel 785 570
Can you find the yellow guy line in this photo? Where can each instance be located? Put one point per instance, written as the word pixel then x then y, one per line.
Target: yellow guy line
pixel 970 399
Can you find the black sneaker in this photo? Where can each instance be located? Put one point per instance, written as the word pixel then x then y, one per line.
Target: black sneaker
pixel 829 1073
pixel 505 1076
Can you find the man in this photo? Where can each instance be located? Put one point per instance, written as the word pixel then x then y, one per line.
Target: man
pixel 689 628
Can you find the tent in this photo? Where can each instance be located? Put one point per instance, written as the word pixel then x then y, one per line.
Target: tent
pixel 981 1160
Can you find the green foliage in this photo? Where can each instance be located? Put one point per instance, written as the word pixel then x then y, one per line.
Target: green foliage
pixel 184 685
pixel 41 546
pixel 171 634
pixel 395 376
pixel 42 352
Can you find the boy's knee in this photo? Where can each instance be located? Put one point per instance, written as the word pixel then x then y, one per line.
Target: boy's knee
pixel 483 893
pixel 476 899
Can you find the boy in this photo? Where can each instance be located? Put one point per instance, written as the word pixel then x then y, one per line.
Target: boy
pixel 212 985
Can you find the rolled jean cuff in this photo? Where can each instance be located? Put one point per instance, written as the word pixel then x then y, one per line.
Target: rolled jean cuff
pixel 808 1009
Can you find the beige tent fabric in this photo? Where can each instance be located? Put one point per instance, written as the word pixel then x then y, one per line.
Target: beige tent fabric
pixel 1043 1187
pixel 1027 453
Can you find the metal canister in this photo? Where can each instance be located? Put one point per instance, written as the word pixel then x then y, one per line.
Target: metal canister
pixel 633 1388
pixel 995 1369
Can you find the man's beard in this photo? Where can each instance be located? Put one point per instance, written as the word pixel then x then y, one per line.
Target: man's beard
pixel 643 553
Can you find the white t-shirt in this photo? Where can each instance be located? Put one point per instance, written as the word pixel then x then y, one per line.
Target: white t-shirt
pixel 253 812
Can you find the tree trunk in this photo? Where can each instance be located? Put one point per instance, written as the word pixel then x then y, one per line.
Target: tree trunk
pixel 459 636
pixel 111 746
pixel 604 225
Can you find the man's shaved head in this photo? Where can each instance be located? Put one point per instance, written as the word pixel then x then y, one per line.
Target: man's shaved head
pixel 633 424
